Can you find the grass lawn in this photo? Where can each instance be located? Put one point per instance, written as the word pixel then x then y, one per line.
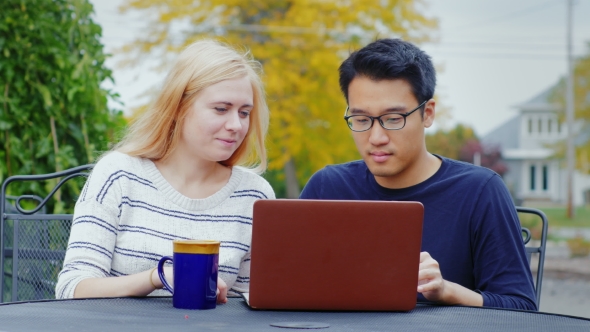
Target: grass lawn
pixel 578 246
pixel 557 217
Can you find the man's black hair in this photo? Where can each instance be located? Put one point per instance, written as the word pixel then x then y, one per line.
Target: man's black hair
pixel 388 59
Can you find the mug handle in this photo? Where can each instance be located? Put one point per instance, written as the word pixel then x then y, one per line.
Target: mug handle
pixel 161 273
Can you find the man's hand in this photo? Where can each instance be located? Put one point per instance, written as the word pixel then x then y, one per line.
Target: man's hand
pixel 430 281
pixel 221 291
pixel 434 288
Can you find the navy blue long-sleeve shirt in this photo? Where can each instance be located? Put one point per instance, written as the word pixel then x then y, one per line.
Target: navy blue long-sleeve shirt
pixel 470 225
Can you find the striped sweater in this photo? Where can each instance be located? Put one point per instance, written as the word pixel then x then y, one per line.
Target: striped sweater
pixel 127 216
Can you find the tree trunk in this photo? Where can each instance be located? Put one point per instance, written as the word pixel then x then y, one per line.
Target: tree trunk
pixel 7 138
pixel 86 142
pixel 56 151
pixel 7 147
pixel 31 148
pixel 291 182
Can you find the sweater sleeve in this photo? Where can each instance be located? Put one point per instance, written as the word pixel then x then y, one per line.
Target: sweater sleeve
pixel 242 281
pixel 94 230
pixel 242 284
pixel 501 270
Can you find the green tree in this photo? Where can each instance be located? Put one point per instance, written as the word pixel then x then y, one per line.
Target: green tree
pixel 300 43
pixel 448 143
pixel 581 111
pixel 53 112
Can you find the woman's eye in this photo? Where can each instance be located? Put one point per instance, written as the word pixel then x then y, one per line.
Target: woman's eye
pixel 220 109
pixel 244 114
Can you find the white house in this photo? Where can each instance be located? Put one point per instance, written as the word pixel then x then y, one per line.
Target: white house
pixel 525 140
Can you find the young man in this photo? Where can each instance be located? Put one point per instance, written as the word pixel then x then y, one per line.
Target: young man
pixel 472 250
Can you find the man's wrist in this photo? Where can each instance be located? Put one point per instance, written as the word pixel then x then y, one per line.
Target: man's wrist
pixel 456 294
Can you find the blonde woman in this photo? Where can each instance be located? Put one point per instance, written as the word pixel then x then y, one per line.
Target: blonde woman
pixel 187 168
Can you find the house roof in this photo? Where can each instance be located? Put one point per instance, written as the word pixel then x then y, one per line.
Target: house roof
pixel 505 136
pixel 539 102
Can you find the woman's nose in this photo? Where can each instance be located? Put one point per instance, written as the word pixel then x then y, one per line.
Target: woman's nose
pixel 233 122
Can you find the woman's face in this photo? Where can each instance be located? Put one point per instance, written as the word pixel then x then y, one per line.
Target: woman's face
pixel 218 121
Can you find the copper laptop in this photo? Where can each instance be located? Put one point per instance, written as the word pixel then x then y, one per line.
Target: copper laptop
pixel 335 255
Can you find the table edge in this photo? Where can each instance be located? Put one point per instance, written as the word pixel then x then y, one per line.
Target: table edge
pixel 426 304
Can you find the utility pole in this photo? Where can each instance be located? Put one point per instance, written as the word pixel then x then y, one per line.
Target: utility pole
pixel 477 158
pixel 569 112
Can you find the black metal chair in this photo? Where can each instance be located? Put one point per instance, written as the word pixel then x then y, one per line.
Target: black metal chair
pixel 536 249
pixel 32 242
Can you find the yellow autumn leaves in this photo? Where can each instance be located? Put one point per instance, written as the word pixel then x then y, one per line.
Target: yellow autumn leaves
pixel 300 44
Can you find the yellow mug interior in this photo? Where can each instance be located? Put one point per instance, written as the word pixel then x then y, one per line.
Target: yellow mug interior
pixel 196 246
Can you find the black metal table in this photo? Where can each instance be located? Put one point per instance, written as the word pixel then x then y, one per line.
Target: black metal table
pixel 157 314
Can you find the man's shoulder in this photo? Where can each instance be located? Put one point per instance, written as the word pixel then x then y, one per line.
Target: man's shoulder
pixel 466 170
pixel 482 182
pixel 350 168
pixel 340 181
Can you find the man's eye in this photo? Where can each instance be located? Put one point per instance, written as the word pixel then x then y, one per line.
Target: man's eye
pixel 392 118
pixel 360 120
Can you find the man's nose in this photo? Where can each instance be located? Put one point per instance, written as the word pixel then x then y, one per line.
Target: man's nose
pixel 378 135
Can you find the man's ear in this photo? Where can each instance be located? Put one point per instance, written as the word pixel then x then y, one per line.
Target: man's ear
pixel 429 112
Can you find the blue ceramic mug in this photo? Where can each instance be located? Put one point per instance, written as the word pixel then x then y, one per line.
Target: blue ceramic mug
pixel 195 264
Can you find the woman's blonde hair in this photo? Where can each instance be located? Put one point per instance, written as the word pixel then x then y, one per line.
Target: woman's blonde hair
pixel 156 132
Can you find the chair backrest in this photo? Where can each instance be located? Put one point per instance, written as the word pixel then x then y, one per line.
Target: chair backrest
pixel 32 242
pixel 536 247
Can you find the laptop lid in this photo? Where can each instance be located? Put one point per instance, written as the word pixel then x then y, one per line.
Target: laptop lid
pixel 335 255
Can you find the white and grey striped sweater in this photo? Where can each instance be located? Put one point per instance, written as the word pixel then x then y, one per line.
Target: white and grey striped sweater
pixel 127 216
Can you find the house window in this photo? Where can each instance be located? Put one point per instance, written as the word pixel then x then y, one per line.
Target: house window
pixel 549 124
pixel 530 126
pixel 558 127
pixel 545 177
pixel 533 170
pixel 540 123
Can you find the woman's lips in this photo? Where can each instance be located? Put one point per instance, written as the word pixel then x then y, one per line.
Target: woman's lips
pixel 227 142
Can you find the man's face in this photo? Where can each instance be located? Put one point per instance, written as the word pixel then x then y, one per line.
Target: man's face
pixel 389 154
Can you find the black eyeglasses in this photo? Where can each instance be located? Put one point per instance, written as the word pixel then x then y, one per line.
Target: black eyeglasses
pixel 389 121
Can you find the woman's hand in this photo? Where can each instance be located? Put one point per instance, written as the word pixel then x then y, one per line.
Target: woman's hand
pixel 168 273
pixel 221 291
pixel 221 285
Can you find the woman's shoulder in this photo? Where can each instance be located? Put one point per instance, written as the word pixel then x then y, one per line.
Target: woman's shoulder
pixel 253 181
pixel 115 163
pixel 110 168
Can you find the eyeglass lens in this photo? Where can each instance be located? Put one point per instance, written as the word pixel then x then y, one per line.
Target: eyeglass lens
pixel 390 121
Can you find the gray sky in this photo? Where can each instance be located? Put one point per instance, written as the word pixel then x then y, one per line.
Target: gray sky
pixel 494 54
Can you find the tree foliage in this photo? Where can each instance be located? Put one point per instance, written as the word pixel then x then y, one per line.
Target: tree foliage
pixel 581 110
pixel 461 143
pixel 53 112
pixel 300 43
pixel 489 156
pixel 448 143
